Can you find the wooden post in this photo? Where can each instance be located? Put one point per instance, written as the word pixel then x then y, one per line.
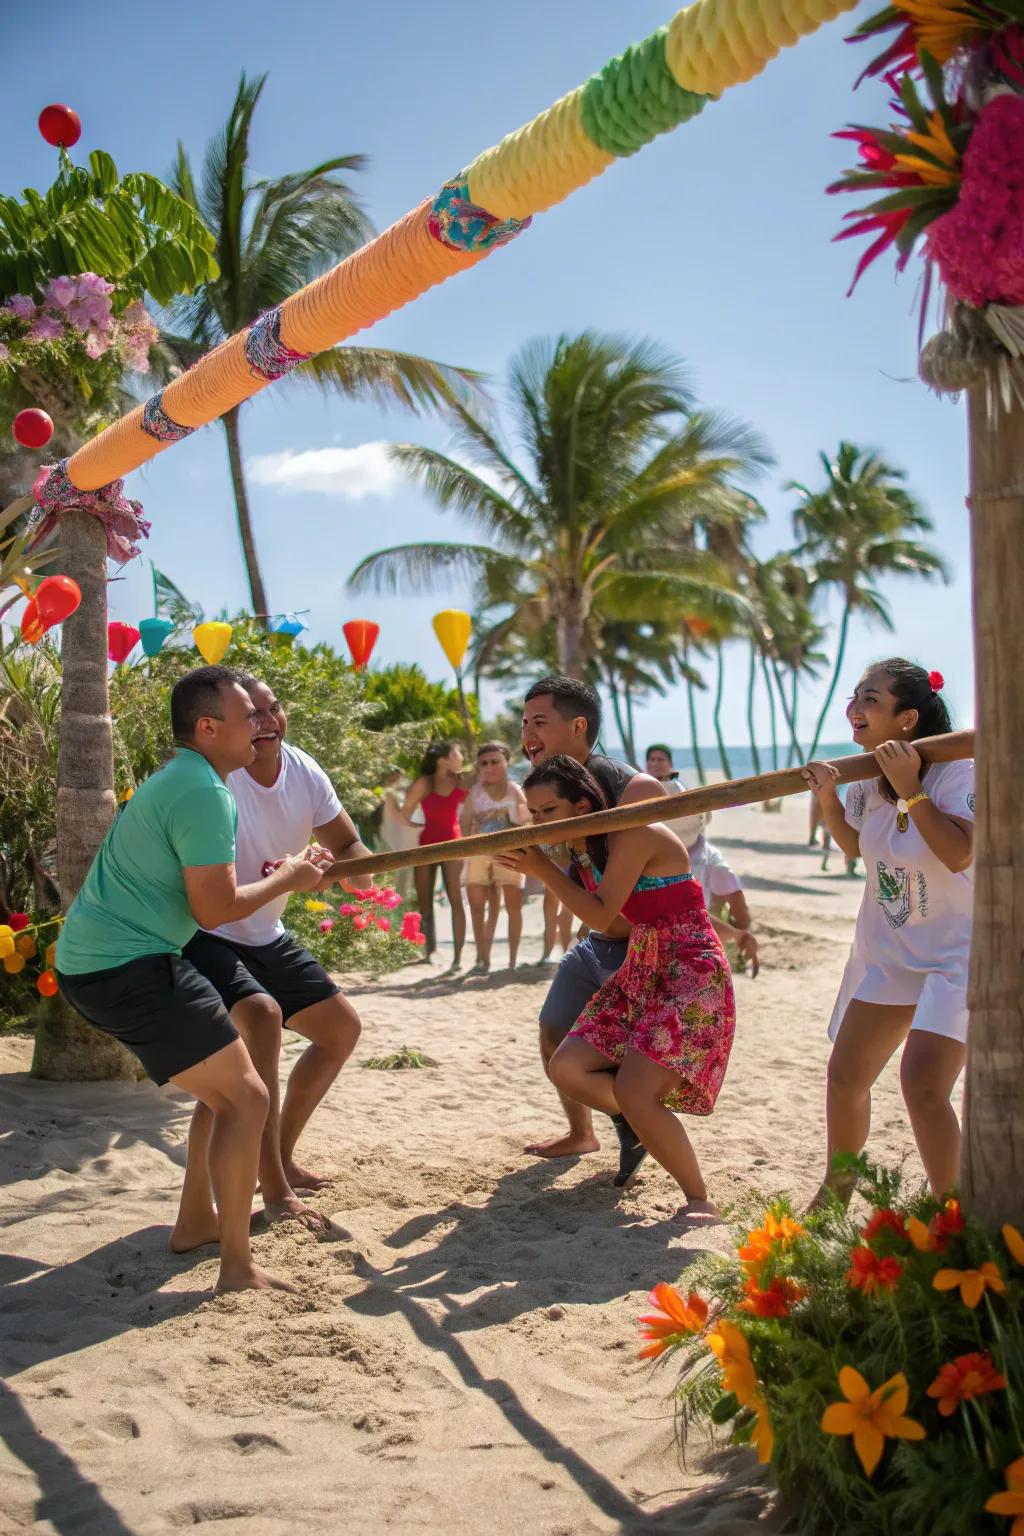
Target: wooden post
pixel 992 1172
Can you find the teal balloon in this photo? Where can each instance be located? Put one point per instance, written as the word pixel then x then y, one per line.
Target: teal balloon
pixel 288 624
pixel 154 632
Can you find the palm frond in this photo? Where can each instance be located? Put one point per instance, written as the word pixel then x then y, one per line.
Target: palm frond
pixel 419 568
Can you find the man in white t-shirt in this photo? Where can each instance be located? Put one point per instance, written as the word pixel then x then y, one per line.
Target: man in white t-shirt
pixel 720 885
pixel 264 977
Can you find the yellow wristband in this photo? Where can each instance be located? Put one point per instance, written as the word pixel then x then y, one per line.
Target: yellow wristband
pixel 915 799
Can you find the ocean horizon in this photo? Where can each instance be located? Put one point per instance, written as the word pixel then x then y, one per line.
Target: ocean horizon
pixel 741 758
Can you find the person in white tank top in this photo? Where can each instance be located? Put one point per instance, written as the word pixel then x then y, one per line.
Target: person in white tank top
pixel 906 978
pixel 493 804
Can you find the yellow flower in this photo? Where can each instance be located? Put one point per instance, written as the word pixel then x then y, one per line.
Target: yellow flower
pixel 729 1346
pixel 973 1283
pixel 871 1417
pixel 1012 1501
pixel 6 945
pixel 939 28
pixel 1014 1242
pixel 317 906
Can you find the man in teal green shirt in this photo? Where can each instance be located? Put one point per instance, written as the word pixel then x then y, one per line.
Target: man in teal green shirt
pixel 166 868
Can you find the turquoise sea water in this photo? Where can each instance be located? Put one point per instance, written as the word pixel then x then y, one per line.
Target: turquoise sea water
pixel 741 761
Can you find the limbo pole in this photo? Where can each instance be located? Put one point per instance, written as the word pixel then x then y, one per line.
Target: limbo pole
pixel 711 797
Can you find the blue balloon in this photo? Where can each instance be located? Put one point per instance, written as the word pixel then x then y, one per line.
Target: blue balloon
pixel 154 632
pixel 288 624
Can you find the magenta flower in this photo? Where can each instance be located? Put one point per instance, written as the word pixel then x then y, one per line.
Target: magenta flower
pixel 978 246
pixel 327 925
pixel 21 305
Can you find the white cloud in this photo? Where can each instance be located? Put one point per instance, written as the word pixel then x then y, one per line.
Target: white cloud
pixel 350 473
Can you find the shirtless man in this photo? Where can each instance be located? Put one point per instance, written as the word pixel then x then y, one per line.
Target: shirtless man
pixel 563 715
pixel 166 866
pixel 263 976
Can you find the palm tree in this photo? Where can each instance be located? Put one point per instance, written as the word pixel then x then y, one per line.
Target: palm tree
pixel 861 526
pixel 785 634
pixel 273 236
pixel 621 476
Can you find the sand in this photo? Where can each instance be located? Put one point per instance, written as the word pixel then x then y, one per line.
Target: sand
pixel 461 1357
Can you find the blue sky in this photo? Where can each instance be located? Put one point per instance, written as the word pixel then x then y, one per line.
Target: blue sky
pixel 715 240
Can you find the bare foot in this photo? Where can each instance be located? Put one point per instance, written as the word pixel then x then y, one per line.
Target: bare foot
pixel 305 1179
pixel 291 1208
pixel 564 1146
pixel 250 1277
pixel 186 1235
pixel 700 1213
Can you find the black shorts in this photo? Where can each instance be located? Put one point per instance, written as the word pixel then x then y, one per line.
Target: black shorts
pixel 281 969
pixel 159 1007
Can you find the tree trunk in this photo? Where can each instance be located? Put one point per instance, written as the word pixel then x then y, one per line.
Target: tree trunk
pixel 252 564
pixel 794 705
pixel 755 755
pixel 630 743
pixel 613 693
pixel 772 716
pixel 569 627
pixel 992 1172
pixel 717 715
pixel 691 705
pixel 67 1049
pixel 840 652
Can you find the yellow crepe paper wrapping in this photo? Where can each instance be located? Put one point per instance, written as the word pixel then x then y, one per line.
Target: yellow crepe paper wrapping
pixel 714 44
pixel 538 165
pixel 212 640
pixel 452 627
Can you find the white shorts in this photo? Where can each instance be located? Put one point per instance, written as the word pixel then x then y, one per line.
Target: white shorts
pixel 939 999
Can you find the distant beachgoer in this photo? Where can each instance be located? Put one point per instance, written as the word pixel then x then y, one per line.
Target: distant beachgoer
pixel 906 979
pixel 561 715
pixel 166 866
pixel 493 804
pixel 557 928
pixel 659 766
pixel 439 793
pixel 656 1036
pixel 265 979
pixel 396 833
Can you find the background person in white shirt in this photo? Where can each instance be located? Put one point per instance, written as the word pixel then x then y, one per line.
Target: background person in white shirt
pixel 264 977
pixel 493 804
pixel 906 978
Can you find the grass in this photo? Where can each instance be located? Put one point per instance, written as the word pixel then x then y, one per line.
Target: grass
pixel 409 1056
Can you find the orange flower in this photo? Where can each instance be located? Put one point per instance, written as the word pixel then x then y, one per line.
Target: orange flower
pixel 763 1437
pixel 673 1319
pixel 973 1283
pixel 967 1377
pixel 729 1346
pixel 774 1300
pixel 939 28
pixel 1014 1242
pixel 782 1230
pixel 1012 1501
pixel 870 1274
pixel 934 1238
pixel 884 1220
pixel 871 1417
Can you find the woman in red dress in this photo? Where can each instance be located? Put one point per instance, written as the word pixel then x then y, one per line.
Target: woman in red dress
pixel 657 1036
pixel 439 794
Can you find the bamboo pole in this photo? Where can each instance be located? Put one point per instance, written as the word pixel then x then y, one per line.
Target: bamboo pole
pixel 711 797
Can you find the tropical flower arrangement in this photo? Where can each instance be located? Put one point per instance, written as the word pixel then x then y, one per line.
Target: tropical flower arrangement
pixel 876 1365
pixel 952 172
pixel 74 321
pixel 364 931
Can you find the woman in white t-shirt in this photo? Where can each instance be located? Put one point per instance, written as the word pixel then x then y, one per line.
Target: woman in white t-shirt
pixel 906 978
pixel 493 804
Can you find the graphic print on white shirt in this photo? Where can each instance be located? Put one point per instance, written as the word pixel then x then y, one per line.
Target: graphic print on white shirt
pixel 273 823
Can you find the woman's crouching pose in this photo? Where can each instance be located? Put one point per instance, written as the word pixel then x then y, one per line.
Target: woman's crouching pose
pixel 657 1036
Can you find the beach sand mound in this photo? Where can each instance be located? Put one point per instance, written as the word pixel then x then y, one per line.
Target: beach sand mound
pixel 461 1355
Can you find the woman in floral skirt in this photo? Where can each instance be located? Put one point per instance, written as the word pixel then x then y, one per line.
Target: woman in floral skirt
pixel 657 1036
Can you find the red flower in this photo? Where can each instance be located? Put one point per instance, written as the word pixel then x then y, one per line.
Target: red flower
pixel 870 1274
pixel 873 156
pixel 884 1220
pixel 947 1222
pixel 17 921
pixel 773 1300
pixel 968 1376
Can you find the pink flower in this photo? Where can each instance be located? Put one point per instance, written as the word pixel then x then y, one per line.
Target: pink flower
pixel 327 925
pixel 384 924
pixel 89 283
pixel 91 313
pixel 347 909
pixel 96 344
pixel 46 328
pixel 59 291
pixel 360 921
pixel 21 305
pixel 979 245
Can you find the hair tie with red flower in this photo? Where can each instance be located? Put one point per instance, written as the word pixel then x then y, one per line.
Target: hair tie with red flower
pixel 936 682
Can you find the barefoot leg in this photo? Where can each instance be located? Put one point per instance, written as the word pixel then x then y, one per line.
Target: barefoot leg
pixel 869 1035
pixel 231 1088
pixel 580 1138
pixel 196 1222
pixel 451 874
pixel 477 898
pixel 514 907
pixel 423 878
pixel 640 1087
pixel 928 1072
pixel 332 1027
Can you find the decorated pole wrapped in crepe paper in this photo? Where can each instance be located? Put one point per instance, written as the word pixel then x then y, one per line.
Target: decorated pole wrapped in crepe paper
pixel 361 637
pixel 453 628
pixel 212 640
pixel 649 89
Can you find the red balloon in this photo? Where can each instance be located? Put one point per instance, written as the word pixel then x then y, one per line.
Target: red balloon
pixel 47 984
pixel 32 627
pixel 32 428
pixel 361 635
pixel 60 124
pixel 121 640
pixel 56 599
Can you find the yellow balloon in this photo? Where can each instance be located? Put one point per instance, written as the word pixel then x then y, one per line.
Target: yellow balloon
pixel 452 627
pixel 212 640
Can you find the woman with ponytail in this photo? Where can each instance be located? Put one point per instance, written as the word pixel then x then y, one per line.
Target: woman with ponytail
pixel 657 1036
pixel 906 978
